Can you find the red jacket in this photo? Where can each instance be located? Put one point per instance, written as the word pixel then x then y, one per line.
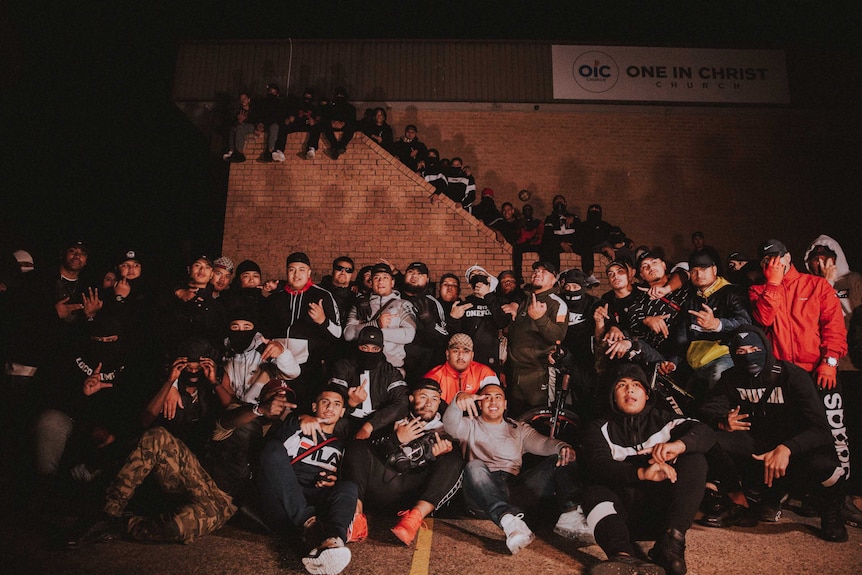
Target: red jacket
pixel 802 317
pixel 471 379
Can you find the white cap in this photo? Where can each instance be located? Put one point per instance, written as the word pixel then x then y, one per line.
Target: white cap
pixel 24 258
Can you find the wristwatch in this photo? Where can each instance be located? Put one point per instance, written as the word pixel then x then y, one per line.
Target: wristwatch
pixel 831 361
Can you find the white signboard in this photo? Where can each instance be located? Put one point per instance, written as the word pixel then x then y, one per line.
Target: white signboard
pixel 669 75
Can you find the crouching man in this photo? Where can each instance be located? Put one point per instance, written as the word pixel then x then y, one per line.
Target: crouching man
pixel 647 468
pixel 413 464
pixel 494 482
pixel 299 486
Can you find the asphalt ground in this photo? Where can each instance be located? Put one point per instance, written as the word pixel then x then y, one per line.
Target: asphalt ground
pixel 32 534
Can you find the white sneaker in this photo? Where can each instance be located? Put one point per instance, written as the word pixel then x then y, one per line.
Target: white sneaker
pixel 329 558
pixel 278 155
pixel 573 525
pixel 518 535
pixel 227 156
pixel 309 154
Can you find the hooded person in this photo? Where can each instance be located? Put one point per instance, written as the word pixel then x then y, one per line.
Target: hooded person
pixel 824 257
pixel 773 429
pixel 646 468
pixel 376 391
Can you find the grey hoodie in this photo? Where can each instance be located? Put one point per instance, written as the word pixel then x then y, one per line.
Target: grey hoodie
pixel 848 286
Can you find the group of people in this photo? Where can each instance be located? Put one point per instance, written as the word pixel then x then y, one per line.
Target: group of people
pixel 307 404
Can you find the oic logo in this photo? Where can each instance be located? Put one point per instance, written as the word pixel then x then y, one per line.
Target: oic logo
pixel 595 72
pixel 524 195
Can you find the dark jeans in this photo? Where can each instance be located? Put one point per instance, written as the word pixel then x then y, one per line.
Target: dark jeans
pixel 518 251
pixel 618 516
pixel 382 487
pixel 298 125
pixel 329 133
pixel 286 504
pixel 497 493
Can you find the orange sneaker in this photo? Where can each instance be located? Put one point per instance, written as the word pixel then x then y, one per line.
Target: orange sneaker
pixel 358 529
pixel 409 525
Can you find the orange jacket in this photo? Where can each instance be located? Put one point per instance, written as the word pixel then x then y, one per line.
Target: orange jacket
pixel 471 379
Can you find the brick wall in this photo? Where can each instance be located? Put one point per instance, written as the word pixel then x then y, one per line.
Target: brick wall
pixel 740 176
pixel 366 205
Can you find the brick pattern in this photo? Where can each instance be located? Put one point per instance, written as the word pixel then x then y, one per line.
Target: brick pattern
pixel 366 205
pixel 659 174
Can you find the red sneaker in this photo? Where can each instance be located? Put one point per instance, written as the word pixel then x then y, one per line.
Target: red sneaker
pixel 409 525
pixel 358 529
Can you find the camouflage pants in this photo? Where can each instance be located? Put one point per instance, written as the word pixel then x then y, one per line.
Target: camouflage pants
pixel 178 471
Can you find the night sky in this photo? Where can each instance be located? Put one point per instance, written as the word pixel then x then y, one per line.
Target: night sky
pixel 94 148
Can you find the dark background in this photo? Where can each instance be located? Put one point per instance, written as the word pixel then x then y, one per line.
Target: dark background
pixel 93 147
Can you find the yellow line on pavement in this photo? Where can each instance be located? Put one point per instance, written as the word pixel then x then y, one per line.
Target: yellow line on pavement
pixel 422 554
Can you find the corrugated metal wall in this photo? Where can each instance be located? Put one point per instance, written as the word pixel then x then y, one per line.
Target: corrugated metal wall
pixel 379 70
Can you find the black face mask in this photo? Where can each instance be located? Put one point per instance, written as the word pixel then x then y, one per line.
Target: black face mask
pixel 559 207
pixel 751 363
pixel 367 360
pixel 240 340
pixel 594 216
pixel 572 296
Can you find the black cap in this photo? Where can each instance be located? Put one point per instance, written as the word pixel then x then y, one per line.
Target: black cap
pixel 623 263
pixel 242 312
pixel 697 235
pixel 128 255
pixel 647 255
pixel 273 86
pixel 342 92
pixel 771 248
pixel 418 266
pixel 701 260
pixel 547 265
pixel 738 257
pixel 427 383
pixel 247 266
pixel 298 257
pixel 204 257
pixel 574 276
pixel 370 335
pixel 410 127
pixel 381 269
pixel 79 245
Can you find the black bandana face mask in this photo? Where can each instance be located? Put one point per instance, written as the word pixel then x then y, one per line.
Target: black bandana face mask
pixel 188 379
pixel 752 362
pixel 240 340
pixel 368 360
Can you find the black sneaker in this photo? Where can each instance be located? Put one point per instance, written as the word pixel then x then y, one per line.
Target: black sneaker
pixel 735 515
pixel 769 509
pixel 103 528
pixel 265 157
pixel 669 552
pixel 713 502
pixel 832 521
pixel 852 514
pixel 626 565
pixel 236 158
